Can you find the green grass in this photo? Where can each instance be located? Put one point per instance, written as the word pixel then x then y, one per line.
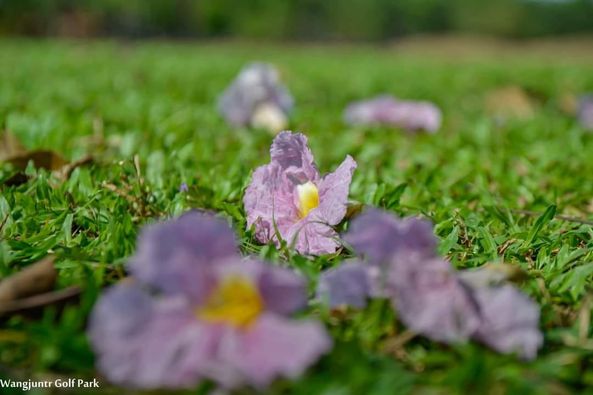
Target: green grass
pixel 474 179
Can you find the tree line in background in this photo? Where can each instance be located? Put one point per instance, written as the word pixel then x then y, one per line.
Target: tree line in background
pixel 293 19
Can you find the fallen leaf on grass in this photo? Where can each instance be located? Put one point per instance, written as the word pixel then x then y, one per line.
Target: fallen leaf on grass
pixel 37 302
pixel 18 178
pixel 353 209
pixel 35 279
pixel 12 151
pixel 44 159
pixel 9 145
pixel 510 102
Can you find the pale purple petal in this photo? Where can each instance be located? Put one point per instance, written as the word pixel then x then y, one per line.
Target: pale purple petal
pixel 283 291
pixel 509 321
pixel 378 235
pixel 387 110
pixel 585 112
pixel 346 285
pixel 291 152
pixel 312 236
pixel 175 256
pixel 276 347
pixel 256 85
pixel 144 343
pixel 431 300
pixel 333 192
pixel 267 204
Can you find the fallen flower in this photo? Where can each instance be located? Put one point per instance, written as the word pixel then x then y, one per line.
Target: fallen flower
pixel 257 98
pixel 387 110
pixel 585 112
pixel 430 296
pixel 290 196
pixel 195 310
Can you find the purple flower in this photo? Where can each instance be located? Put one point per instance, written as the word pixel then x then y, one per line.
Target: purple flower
pixel 585 112
pixel 346 285
pixel 256 98
pixel 423 288
pixel 378 235
pixel 288 198
pixel 195 310
pixel 387 110
pixel 183 187
pixel 430 296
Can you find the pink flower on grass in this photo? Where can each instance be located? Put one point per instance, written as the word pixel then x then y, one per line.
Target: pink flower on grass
pixel 195 310
pixel 431 298
pixel 257 98
pixel 387 110
pixel 585 111
pixel 288 199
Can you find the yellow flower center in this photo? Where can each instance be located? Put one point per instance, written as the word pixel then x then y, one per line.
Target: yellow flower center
pixel 236 302
pixel 308 198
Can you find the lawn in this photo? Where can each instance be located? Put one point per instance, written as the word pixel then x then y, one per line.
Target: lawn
pixel 146 114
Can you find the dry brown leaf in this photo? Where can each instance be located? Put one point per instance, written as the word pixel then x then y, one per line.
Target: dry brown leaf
pixel 18 178
pixel 32 304
pixel 510 102
pixel 9 145
pixel 35 279
pixel 45 159
pixel 353 209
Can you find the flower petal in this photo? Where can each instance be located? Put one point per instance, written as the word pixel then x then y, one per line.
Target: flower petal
pixel 174 256
pixel 333 192
pixel 276 347
pixel 311 236
pixel 431 300
pixel 509 321
pixel 378 235
pixel 291 152
pixel 269 201
pixel 585 112
pixel 283 291
pixel 144 343
pixel 346 285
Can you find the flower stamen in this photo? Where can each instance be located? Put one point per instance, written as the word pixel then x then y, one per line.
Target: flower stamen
pixel 308 197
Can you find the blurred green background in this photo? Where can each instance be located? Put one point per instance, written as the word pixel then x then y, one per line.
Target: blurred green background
pixel 365 20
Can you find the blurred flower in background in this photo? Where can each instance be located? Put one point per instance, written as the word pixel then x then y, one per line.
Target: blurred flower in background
pixel 257 98
pixel 585 111
pixel 389 111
